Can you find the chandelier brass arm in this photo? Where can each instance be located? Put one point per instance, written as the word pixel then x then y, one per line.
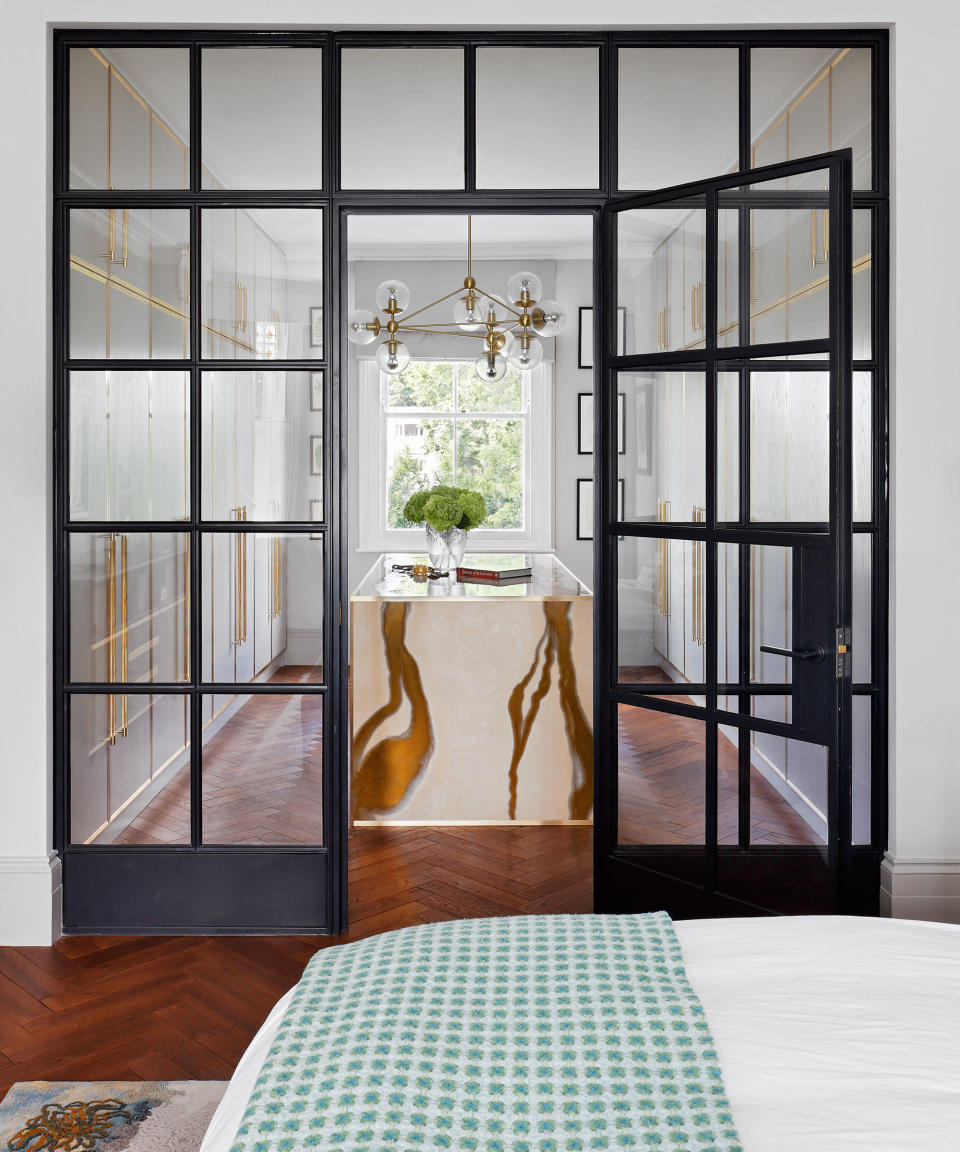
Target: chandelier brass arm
pixel 520 335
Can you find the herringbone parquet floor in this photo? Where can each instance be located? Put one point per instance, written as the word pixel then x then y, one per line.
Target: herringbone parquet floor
pixel 130 1008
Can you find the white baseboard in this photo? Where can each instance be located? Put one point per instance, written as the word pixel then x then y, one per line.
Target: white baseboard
pixel 30 900
pixel 920 889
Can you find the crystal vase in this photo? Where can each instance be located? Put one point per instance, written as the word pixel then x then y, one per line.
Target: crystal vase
pixel 437 548
pixel 456 546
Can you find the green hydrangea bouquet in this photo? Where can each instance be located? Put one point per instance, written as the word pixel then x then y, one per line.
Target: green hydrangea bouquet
pixel 443 508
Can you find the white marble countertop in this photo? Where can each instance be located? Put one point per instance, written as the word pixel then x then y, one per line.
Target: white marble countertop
pixel 550 580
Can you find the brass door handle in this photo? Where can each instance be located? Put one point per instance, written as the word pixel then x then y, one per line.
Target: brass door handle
pixel 124 642
pixel 111 622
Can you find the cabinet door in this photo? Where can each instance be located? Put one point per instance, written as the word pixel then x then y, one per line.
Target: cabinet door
pixel 261 302
pixel 768 279
pixel 675 287
pixel 246 272
pixel 222 318
pixel 90 729
pixel 130 756
pixel 224 553
pixel 130 429
pixel 693 280
pixel 279 621
pixel 262 602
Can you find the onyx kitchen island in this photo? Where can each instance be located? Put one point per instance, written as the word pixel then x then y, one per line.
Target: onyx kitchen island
pixel 471 703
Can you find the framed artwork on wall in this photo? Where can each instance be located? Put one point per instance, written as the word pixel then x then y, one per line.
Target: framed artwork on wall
pixel 585 423
pixel 316 391
pixel 316 515
pixel 585 506
pixel 316 455
pixel 585 336
pixel 316 328
pixel 645 429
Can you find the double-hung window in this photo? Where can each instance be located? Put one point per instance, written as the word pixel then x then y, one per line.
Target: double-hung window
pixel 437 422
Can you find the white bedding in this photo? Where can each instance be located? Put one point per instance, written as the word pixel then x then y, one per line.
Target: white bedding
pixel 834 1033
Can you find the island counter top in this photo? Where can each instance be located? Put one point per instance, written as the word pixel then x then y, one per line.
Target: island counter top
pixel 550 580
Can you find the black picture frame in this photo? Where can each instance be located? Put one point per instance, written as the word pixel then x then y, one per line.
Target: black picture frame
pixel 585 335
pixel 585 505
pixel 585 423
pixel 316 327
pixel 316 391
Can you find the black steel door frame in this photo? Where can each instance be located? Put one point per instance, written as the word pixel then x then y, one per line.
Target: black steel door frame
pixel 693 880
pixel 117 875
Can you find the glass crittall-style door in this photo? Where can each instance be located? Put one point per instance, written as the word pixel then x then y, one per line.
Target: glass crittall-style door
pixel 197 531
pixel 723 712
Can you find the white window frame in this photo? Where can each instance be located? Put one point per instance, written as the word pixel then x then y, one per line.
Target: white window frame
pixel 538 533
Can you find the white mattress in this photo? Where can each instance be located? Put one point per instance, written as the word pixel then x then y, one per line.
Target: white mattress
pixel 834 1033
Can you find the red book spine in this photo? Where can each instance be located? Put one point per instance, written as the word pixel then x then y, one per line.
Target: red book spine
pixel 478 573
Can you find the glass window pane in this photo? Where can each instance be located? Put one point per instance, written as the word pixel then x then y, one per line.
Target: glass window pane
pixel 862 283
pixel 804 101
pixel 129 445
pixel 862 769
pixel 559 92
pixel 129 607
pixel 661 624
pixel 788 789
pixel 678 115
pixel 262 607
pixel 422 384
pixel 728 446
pixel 661 768
pixel 862 445
pixel 789 446
pixel 262 283
pixel 262 770
pixel 129 283
pixel 129 117
pixel 420 453
pixel 129 769
pixel 262 118
pixel 661 278
pixel 476 395
pixel 663 466
pixel 401 118
pixel 862 604
pixel 262 445
pixel 490 460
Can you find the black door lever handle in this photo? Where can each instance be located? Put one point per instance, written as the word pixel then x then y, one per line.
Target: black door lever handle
pixel 817 652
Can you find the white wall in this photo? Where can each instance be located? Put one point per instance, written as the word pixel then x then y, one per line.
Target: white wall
pixel 925 787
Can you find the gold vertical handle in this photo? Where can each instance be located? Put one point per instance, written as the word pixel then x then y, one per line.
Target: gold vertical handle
pixel 243 638
pixel 244 307
pixel 124 642
pixel 699 517
pixel 111 236
pixel 237 307
pixel 235 515
pixel 111 564
pixel 126 238
pixel 813 237
pixel 693 307
pixel 825 228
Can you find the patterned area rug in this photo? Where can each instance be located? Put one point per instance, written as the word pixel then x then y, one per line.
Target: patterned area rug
pixel 108 1115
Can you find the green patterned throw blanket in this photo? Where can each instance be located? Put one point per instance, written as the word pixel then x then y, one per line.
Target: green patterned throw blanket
pixel 518 1034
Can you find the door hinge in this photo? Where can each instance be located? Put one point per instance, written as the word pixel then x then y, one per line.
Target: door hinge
pixel 843 651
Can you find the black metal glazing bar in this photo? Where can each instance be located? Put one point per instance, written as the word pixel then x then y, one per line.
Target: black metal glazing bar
pixel 195 569
pixel 710 608
pixel 609 113
pixel 470 117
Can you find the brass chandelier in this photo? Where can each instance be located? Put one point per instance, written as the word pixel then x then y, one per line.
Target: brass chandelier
pixel 512 329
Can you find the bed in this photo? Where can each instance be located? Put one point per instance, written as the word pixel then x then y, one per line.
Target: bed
pixel 833 1033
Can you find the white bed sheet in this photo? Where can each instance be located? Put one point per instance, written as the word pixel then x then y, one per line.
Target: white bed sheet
pixel 835 1034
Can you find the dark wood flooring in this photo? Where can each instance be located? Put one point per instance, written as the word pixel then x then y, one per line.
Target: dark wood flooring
pixel 132 1008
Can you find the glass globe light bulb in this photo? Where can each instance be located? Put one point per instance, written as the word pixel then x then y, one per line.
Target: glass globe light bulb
pixel 357 330
pixel 491 367
pixel 392 290
pixel 521 282
pixel 554 318
pixel 468 316
pixel 392 359
pixel 524 358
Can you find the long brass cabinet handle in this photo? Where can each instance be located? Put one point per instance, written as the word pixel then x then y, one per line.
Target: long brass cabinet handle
pixel 124 644
pixel 663 561
pixel 698 631
pixel 117 634
pixel 823 256
pixel 111 624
